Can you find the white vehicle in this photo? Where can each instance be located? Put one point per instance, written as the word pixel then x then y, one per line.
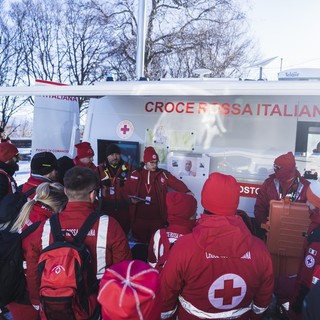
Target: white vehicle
pixel 234 127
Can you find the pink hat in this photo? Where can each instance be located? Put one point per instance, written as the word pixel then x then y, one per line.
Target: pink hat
pixel 150 155
pixel 7 151
pixel 313 193
pixel 220 194
pixel 180 205
pixel 84 150
pixel 130 290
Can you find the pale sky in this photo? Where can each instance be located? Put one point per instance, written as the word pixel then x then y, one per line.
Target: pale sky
pixel 289 29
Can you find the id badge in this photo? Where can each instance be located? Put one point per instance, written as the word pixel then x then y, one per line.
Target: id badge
pixel 148 200
pixel 111 191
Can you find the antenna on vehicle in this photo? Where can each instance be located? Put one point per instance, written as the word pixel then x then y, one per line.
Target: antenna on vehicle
pixel 202 72
pixel 261 64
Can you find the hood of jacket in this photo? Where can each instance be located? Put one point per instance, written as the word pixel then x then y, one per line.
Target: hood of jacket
pixel 223 235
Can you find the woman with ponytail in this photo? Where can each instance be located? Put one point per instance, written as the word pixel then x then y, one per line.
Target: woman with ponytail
pixel 49 199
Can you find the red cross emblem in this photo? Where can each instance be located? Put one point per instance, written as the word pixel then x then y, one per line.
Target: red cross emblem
pixel 309 261
pixel 125 129
pixel 227 291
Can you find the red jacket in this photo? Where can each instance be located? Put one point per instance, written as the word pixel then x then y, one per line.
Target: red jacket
pixel 160 181
pixel 112 243
pixel 152 185
pixel 162 241
pixel 270 191
pixel 219 270
pixel 38 213
pixel 34 181
pixel 113 179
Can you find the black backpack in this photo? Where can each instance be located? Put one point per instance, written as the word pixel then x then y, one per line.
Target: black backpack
pixel 67 279
pixel 12 277
pixel 12 203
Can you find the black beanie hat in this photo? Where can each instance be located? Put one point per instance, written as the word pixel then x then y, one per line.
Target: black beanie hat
pixel 112 148
pixel 43 163
pixel 64 164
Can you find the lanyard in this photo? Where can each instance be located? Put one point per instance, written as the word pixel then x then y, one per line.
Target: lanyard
pixel 148 184
pixel 109 175
pixel 148 188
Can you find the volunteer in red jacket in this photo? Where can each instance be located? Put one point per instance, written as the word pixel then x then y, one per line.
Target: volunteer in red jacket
pixel 309 271
pixel 286 181
pixel 49 199
pixel 44 168
pixel 150 184
pixel 181 208
pixel 9 158
pixel 113 175
pixel 220 270
pixel 106 241
pixel 84 157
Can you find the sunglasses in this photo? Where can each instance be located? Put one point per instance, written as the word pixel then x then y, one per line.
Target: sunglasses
pixel 276 167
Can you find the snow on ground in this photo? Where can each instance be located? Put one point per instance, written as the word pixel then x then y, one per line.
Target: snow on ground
pixel 23 174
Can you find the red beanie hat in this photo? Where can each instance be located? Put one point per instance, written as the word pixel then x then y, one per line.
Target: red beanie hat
pixel 150 155
pixel 286 161
pixel 84 150
pixel 285 166
pixel 130 290
pixel 180 205
pixel 313 193
pixel 220 194
pixel 7 151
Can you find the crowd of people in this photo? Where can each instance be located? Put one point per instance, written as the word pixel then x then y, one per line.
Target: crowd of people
pixel 214 267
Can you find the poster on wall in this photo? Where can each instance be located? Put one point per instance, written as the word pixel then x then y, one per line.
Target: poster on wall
pixel 163 140
pixel 188 165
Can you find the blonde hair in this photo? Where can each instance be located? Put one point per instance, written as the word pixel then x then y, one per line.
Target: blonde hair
pixel 50 195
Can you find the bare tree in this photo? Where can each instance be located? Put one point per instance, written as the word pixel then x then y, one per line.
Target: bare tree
pixel 80 41
pixel 181 36
pixel 85 45
pixel 67 48
pixel 19 128
pixel 11 61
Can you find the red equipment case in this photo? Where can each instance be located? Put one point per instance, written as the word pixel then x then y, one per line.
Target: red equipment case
pixel 287 227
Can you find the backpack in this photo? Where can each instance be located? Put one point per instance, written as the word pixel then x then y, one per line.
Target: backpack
pixel 68 283
pixel 12 277
pixel 12 203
